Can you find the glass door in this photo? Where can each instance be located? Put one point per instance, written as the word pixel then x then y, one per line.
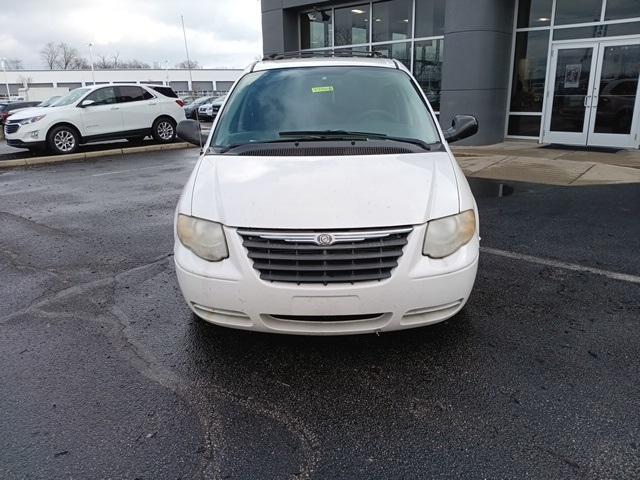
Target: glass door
pixel 569 95
pixel 615 104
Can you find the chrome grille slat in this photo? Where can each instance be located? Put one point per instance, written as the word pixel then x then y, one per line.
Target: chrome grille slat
pixel 325 256
pixel 324 266
pixel 401 242
pixel 355 256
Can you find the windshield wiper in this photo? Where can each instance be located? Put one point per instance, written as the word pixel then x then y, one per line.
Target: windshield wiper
pixel 351 135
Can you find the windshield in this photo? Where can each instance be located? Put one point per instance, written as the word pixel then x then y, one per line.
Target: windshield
pixel 376 100
pixel 219 100
pixel 69 98
pixel 49 101
pixel 201 100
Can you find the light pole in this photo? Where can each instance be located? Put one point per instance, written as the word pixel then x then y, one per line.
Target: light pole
pixel 93 73
pixel 6 80
pixel 166 72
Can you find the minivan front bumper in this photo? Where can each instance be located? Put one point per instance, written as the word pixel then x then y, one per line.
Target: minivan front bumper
pixel 421 291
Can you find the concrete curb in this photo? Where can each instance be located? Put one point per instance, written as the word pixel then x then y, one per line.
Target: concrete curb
pixel 77 157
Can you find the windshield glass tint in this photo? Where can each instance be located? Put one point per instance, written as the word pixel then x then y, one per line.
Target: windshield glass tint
pixel 361 99
pixel 69 98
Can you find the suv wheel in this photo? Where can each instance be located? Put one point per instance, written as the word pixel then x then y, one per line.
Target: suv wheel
pixel 164 130
pixel 63 140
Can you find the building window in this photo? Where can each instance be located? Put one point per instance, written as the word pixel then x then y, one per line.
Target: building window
pixel 571 11
pixel 529 71
pixel 618 9
pixel 397 51
pixel 427 68
pixel 387 27
pixel 534 13
pixel 352 25
pixel 361 48
pixel 315 29
pixel 429 18
pixel 392 20
pixel 524 125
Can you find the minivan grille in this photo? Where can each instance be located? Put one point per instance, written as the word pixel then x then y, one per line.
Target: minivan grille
pixel 344 257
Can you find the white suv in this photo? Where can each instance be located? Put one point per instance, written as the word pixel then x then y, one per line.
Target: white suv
pixel 326 201
pixel 103 112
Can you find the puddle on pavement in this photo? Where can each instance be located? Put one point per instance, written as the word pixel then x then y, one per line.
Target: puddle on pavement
pixel 483 188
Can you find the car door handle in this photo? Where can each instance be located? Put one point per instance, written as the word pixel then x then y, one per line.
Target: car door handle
pixel 115 108
pixel 153 103
pixel 586 100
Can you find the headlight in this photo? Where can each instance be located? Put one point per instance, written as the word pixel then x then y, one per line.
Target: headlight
pixel 27 121
pixel 446 235
pixel 202 237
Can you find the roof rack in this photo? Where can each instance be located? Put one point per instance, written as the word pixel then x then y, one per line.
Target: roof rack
pixel 323 53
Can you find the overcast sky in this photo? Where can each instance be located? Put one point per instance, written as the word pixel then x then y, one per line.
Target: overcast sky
pixel 221 33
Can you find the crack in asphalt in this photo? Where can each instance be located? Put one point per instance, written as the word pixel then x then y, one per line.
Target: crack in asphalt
pixel 13 262
pixel 151 368
pixel 33 224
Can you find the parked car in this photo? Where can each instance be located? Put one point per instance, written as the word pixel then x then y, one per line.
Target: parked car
pixel 191 109
pixel 49 101
pixel 9 108
pixel 103 112
pixel 187 99
pixel 208 111
pixel 327 201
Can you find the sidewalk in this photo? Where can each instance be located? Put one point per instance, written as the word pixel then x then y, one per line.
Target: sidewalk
pixel 529 162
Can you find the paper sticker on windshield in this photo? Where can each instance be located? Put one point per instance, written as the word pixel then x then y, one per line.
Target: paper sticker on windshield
pixel 322 89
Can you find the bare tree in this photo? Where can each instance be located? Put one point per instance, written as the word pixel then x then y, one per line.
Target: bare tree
pixel 50 55
pixel 116 58
pixel 80 63
pixel 103 62
pixel 14 64
pixel 68 56
pixel 186 64
pixel 134 64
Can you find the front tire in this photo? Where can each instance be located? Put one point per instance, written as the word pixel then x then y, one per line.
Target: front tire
pixel 164 130
pixel 63 140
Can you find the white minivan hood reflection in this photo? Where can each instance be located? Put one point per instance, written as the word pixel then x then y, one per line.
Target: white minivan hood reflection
pixel 360 191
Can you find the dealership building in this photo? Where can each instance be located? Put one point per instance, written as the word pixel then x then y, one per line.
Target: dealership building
pixel 555 71
pixel 199 81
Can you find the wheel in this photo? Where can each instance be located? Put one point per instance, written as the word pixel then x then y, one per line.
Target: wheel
pixel 63 139
pixel 135 140
pixel 164 130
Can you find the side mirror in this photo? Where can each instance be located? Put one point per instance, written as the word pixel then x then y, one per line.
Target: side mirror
pixel 462 126
pixel 86 103
pixel 189 131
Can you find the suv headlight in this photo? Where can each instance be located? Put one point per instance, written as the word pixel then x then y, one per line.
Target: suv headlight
pixel 446 235
pixel 202 237
pixel 27 121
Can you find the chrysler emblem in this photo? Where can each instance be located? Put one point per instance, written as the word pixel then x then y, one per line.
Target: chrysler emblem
pixel 324 239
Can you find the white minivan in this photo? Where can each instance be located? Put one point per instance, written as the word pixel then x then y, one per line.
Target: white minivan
pixel 97 113
pixel 326 201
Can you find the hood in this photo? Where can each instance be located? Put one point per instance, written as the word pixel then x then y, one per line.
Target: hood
pixel 28 112
pixel 325 192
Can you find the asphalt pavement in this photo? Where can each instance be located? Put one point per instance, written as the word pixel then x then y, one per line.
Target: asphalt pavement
pixel 106 374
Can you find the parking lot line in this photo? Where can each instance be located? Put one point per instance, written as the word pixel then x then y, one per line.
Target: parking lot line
pixel 563 265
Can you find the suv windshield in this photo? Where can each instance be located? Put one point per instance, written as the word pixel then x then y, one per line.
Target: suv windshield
pixel 290 103
pixel 69 98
